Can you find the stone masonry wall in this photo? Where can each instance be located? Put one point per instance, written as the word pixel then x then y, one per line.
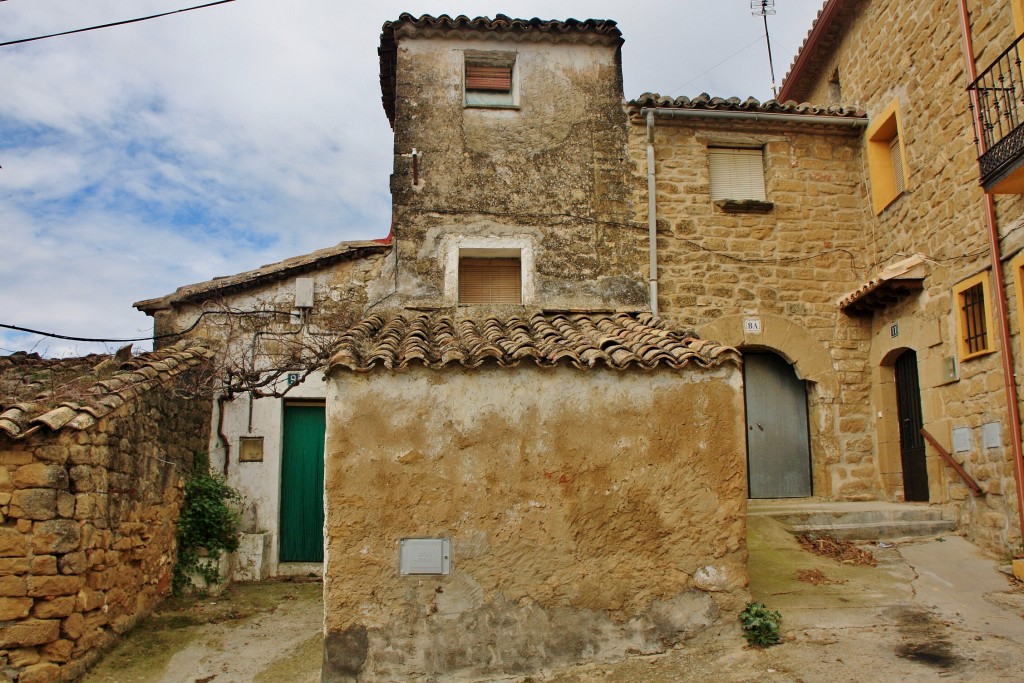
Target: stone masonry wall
pixel 786 268
pixel 87 532
pixel 911 51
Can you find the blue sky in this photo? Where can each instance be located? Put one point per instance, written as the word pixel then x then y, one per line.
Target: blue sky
pixel 140 158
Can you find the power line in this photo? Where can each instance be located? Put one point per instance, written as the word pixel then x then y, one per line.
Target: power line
pixel 114 23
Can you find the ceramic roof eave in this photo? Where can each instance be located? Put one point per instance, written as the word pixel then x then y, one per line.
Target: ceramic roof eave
pixel 264 274
pixel 146 372
pixel 831 21
pixel 586 341
pixel 751 107
pixel 501 27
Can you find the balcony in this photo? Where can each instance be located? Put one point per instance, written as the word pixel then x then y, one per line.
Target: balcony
pixel 999 94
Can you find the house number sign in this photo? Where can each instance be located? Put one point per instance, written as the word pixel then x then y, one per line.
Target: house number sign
pixel 752 325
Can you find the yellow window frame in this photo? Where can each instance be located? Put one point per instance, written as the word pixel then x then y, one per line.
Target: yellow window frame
pixel 883 136
pixel 971 321
pixel 1017 271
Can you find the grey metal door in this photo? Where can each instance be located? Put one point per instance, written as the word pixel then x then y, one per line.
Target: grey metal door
pixel 778 444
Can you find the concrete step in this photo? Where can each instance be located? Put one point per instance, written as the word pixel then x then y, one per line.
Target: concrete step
pixel 860 521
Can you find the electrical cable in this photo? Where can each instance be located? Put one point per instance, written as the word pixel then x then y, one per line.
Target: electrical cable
pixel 191 327
pixel 113 23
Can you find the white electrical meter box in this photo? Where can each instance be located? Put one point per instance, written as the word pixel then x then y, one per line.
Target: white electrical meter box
pixel 425 556
pixel 304 292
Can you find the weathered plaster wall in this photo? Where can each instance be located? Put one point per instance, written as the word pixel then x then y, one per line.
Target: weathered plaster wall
pixel 912 52
pixel 591 514
pixel 550 172
pixel 87 532
pixel 785 268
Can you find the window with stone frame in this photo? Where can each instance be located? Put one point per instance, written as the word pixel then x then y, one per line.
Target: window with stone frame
pixel 736 173
pixel 490 79
pixel 972 304
pixel 886 152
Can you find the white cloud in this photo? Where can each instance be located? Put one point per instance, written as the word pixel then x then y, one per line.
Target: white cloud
pixel 140 158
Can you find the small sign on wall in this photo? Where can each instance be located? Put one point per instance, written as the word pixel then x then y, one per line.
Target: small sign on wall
pixel 894 330
pixel 752 326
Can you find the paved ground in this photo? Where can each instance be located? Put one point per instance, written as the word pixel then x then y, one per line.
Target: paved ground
pixel 934 610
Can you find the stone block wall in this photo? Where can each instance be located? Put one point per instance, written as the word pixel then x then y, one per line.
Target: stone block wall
pixel 87 531
pixel 786 268
pixel 911 52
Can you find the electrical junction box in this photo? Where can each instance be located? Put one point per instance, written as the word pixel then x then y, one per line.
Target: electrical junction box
pixel 304 292
pixel 430 556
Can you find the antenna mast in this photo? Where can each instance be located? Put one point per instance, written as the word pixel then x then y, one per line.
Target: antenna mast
pixel 763 8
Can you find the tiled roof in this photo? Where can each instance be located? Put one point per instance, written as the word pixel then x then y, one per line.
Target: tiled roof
pixel 295 265
pixel 825 33
pixel 582 340
pixel 73 393
pixel 603 31
pixel 889 285
pixel 705 102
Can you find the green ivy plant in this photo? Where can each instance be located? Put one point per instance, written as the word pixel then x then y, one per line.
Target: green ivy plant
pixel 207 525
pixel 760 624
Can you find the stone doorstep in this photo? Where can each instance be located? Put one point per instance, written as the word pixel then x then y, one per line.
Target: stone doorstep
pixel 858 521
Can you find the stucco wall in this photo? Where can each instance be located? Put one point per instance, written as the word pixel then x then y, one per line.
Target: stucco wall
pixel 590 513
pixel 549 173
pixel 912 52
pixel 87 531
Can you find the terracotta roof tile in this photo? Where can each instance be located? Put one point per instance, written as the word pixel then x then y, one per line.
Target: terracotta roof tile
pixel 87 399
pixel 584 340
pixel 705 102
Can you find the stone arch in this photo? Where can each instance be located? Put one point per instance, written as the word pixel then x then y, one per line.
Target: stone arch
pixel 923 337
pixel 812 363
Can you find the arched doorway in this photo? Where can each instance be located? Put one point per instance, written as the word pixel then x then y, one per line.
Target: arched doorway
pixel 908 408
pixel 778 438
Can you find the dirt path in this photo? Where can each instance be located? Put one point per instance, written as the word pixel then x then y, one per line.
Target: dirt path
pixel 253 633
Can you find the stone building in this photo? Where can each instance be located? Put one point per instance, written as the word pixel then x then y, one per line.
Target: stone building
pixel 938 355
pixel 93 452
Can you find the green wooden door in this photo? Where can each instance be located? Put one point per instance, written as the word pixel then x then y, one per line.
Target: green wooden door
pixel 302 484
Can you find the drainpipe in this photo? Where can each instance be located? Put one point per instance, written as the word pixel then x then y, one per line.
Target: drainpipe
pixel 1009 378
pixel 652 214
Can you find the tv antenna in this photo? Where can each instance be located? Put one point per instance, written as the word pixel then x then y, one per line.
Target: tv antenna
pixel 763 8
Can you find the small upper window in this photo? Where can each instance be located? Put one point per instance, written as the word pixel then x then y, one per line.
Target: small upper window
pixel 490 79
pixel 736 173
pixel 886 160
pixel 973 316
pixel 490 280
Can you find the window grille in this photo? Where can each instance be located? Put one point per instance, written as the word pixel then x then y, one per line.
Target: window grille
pixel 972 308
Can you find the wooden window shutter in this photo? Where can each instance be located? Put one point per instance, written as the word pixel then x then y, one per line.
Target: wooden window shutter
pixel 491 78
pixel 490 281
pixel 896 155
pixel 736 173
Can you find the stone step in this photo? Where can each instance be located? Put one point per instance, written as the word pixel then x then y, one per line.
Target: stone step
pixel 867 521
pixel 875 531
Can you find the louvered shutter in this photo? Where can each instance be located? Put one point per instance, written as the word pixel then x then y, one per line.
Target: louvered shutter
pixel 736 173
pixel 896 156
pixel 490 281
pixel 491 78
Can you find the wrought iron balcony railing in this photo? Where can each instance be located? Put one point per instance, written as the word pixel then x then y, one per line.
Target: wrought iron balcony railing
pixel 1000 97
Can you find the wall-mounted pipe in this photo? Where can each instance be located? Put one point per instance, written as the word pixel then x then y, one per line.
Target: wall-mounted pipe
pixel 1009 377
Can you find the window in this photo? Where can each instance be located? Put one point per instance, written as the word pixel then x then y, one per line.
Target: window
pixel 1017 271
pixel 490 79
pixel 736 174
pixel 886 154
pixel 490 280
pixel 972 307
